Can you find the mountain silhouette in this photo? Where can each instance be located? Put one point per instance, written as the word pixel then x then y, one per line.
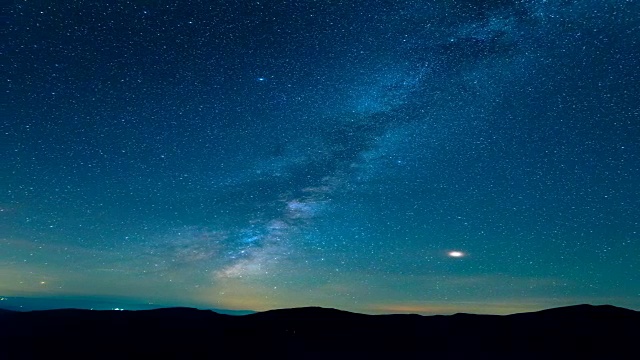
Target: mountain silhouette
pixel 18 303
pixel 581 331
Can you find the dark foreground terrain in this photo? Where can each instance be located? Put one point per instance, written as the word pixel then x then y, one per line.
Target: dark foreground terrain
pixel 577 332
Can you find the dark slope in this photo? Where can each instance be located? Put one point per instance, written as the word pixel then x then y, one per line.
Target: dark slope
pixel 4 312
pixel 183 333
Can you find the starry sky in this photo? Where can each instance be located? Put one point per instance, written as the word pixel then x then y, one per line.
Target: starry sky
pixel 374 156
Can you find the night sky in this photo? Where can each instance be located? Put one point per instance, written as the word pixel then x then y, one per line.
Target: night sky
pixel 377 156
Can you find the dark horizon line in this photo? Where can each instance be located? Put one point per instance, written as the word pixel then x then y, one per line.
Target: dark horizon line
pixel 231 312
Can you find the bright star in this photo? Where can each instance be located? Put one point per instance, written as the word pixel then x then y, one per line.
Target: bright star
pixel 456 254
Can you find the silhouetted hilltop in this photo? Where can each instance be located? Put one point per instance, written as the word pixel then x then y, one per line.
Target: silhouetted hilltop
pixel 5 312
pixel 581 330
pixel 18 303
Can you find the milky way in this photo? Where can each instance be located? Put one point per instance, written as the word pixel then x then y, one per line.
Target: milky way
pixel 431 157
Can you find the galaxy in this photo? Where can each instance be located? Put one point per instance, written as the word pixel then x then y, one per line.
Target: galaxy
pixel 374 156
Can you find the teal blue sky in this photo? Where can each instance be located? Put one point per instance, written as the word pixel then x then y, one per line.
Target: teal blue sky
pixel 431 157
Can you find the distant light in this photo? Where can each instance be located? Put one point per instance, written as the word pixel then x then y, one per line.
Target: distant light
pixel 261 79
pixel 456 254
